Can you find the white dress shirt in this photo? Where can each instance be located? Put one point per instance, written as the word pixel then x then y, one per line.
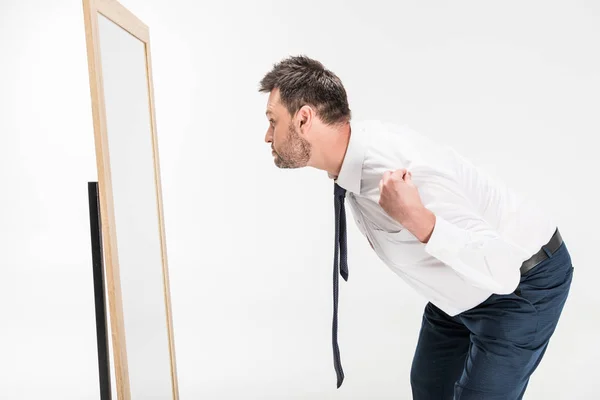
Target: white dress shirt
pixel 483 231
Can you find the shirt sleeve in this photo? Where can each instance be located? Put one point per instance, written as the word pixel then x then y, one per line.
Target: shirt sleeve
pixel 465 242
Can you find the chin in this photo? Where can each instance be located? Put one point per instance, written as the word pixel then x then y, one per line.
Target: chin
pixel 281 165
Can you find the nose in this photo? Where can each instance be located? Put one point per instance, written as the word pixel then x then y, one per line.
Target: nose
pixel 268 136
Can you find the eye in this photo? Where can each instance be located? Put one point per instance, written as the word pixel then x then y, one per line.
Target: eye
pixel 272 122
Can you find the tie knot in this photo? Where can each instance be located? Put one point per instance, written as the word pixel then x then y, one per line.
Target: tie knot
pixel 339 191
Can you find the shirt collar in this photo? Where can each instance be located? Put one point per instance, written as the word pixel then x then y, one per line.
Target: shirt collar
pixel 350 175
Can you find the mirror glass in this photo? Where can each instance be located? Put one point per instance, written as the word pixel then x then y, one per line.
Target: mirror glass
pixel 130 148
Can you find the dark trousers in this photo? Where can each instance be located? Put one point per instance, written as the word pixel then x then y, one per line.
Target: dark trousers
pixel 490 351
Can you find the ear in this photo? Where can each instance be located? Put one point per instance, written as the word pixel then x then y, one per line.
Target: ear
pixel 305 118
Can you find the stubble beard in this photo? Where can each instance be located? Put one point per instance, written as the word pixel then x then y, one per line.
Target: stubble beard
pixel 296 152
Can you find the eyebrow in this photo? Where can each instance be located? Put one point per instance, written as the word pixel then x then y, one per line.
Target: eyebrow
pixel 268 113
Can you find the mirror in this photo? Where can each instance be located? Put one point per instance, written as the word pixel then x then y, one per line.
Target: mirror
pixel 131 206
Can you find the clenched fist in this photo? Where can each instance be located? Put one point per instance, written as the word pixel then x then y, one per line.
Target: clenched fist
pixel 400 199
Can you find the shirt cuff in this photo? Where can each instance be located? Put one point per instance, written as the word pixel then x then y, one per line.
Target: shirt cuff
pixel 446 240
pixel 448 244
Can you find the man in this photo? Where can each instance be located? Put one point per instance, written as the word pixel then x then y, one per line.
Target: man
pixel 494 268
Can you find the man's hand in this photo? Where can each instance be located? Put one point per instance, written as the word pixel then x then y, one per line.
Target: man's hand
pixel 400 199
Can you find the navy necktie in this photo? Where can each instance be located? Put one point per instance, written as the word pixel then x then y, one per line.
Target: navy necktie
pixel 340 261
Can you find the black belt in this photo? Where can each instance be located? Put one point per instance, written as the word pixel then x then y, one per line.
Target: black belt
pixel 545 252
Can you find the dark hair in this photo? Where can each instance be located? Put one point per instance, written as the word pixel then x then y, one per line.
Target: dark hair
pixel 302 81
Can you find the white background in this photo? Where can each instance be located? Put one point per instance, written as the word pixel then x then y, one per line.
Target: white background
pixel 515 87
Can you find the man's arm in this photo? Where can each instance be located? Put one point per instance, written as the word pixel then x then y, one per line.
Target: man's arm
pixel 454 234
pixel 466 243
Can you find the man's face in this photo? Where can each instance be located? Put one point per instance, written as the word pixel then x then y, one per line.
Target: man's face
pixel 289 148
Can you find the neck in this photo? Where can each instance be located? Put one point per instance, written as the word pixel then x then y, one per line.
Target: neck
pixel 332 149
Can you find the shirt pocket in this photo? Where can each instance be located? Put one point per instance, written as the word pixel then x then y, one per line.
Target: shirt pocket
pixel 400 249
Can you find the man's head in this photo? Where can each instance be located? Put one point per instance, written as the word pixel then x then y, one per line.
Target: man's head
pixel 304 100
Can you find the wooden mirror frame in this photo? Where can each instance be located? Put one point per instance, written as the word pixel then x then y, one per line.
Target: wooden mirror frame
pixel 119 15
